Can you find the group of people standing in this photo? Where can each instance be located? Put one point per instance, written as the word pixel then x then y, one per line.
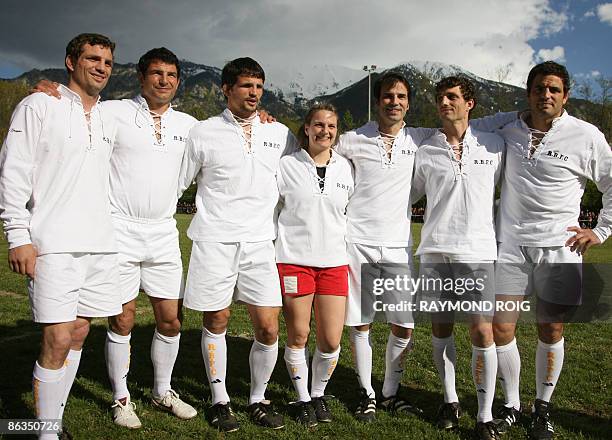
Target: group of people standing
pixel 88 190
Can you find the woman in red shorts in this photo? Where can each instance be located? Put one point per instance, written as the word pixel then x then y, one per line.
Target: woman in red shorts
pixel 315 184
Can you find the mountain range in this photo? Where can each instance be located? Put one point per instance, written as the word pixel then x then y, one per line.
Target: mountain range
pixel 291 90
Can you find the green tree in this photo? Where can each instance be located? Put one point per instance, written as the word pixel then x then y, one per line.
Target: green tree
pixel 189 194
pixel 11 92
pixel 591 199
pixel 347 121
pixel 604 101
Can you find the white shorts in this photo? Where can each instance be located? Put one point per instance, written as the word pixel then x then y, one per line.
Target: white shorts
pixel 220 272
pixel 68 285
pixel 555 273
pixel 361 309
pixel 149 258
pixel 462 281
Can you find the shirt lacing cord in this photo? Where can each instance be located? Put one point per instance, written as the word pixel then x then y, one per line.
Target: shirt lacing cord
pixel 247 126
pixel 320 175
pixel 88 120
pixel 388 141
pixel 457 150
pixel 144 110
pixel 535 140
pixel 157 125
pixel 87 115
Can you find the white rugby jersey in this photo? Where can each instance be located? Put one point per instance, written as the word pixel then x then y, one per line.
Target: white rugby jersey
pixel 54 176
pixel 379 211
pixel 237 190
pixel 312 223
pixel 541 195
pixel 144 171
pixel 460 194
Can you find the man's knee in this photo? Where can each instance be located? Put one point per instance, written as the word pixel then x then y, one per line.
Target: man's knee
pixel 169 327
pixel 216 322
pixel 442 329
pixel 550 333
pixel 401 332
pixel 123 323
pixel 79 334
pixel 56 342
pixel 267 332
pixel 481 335
pixel 266 326
pixel 503 333
pixel 362 328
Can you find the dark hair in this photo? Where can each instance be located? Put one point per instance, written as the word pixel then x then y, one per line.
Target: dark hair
pixel 389 79
pixel 468 91
pixel 74 49
pixel 301 134
pixel 241 67
pixel 549 68
pixel 160 54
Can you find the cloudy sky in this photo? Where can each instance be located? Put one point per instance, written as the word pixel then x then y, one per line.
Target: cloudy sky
pixel 487 37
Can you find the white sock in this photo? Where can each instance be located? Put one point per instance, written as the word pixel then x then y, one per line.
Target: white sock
pixel 214 352
pixel 297 367
pixel 509 372
pixel 117 351
pixel 484 373
pixel 262 360
pixel 362 358
pixel 164 350
pixel 445 358
pixel 48 389
pixel 549 362
pixel 72 365
pixel 323 366
pixel 395 357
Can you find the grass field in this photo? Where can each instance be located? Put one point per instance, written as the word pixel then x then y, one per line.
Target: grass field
pixel 582 399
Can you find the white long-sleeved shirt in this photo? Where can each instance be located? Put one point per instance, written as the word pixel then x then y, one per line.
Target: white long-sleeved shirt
pixel 541 195
pixel 237 190
pixel 379 211
pixel 144 170
pixel 460 194
pixel 54 176
pixel 312 222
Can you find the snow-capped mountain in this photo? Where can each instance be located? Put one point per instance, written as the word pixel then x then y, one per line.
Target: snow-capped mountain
pixel 290 90
pixel 298 82
pixel 436 71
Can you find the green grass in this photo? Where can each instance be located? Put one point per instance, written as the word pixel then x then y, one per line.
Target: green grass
pixel 582 400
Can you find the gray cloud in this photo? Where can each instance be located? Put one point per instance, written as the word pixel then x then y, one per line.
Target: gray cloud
pixel 351 33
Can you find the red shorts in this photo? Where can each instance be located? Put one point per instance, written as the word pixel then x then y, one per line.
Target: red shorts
pixel 304 280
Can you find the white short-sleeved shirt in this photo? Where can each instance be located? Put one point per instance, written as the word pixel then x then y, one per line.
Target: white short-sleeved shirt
pixel 54 176
pixel 541 194
pixel 460 194
pixel 144 171
pixel 379 211
pixel 312 222
pixel 237 191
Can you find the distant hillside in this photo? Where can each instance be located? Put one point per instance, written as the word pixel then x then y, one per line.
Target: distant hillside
pixel 200 92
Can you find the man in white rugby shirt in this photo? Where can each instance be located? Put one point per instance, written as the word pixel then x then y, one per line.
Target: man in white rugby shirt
pixel 54 169
pixel 550 156
pixel 382 153
pixel 457 169
pixel 235 158
pixel 145 164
